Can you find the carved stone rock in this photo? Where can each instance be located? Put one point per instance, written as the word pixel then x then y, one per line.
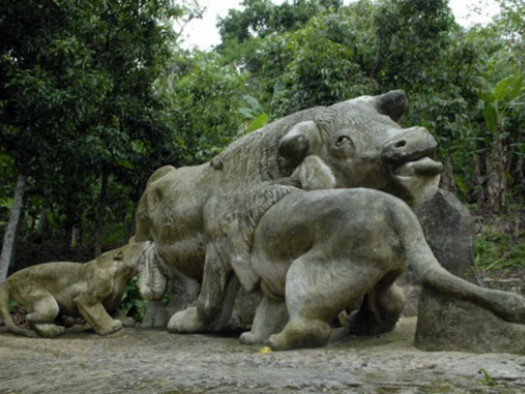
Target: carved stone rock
pixel 449 230
pixel 447 323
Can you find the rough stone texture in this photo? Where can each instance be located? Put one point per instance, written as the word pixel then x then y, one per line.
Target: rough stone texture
pixel 446 323
pixel 148 361
pixel 449 230
pixel 202 219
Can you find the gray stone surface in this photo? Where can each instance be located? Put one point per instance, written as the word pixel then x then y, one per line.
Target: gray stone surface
pixel 448 323
pixel 253 216
pixel 449 231
pixel 201 219
pixel 150 361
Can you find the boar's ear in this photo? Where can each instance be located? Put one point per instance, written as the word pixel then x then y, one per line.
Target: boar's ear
pixel 392 104
pixel 299 140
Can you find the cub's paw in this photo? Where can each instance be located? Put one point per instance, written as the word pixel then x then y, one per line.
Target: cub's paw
pixel 127 321
pixel 113 327
pixel 186 322
pixel 49 330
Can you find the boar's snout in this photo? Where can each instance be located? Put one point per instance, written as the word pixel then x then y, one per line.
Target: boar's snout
pixel 411 144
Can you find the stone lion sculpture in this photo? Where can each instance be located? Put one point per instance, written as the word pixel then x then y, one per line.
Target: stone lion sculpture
pixel 91 290
pixel 346 253
pixel 254 215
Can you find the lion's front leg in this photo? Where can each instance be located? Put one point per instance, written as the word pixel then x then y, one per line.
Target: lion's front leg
pixel 214 305
pixel 96 315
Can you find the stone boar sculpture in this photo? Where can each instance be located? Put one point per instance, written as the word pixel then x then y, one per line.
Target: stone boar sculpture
pixel 201 219
pixel 91 290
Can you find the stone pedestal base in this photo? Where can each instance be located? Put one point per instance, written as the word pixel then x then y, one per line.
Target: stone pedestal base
pixel 446 323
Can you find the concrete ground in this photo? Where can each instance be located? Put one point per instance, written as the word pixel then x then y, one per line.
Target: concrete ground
pixel 146 361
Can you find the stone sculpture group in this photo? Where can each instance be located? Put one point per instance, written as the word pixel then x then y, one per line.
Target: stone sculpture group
pixel 313 210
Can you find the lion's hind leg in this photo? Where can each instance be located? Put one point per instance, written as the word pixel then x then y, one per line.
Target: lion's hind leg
pixel 43 311
pixel 380 310
pixel 270 317
pixel 317 288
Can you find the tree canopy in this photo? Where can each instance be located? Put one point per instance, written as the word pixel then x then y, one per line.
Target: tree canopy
pixel 96 95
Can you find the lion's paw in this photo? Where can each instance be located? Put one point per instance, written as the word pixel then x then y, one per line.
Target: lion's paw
pixel 115 326
pixel 278 342
pixel 49 330
pixel 249 338
pixel 186 321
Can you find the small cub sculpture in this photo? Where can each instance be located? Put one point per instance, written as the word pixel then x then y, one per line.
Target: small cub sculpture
pixel 89 290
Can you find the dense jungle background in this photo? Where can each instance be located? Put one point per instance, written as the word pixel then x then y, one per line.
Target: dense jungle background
pixel 96 95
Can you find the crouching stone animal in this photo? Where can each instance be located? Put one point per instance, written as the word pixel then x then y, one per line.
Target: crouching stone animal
pixel 201 219
pixel 321 252
pixel 91 290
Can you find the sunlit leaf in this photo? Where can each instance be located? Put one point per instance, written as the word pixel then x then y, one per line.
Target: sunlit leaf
pixel 259 122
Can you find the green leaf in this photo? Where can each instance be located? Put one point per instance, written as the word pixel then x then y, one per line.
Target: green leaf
pixel 517 87
pixel 125 164
pixel 246 112
pixel 252 101
pixel 490 114
pixel 259 122
pixel 502 88
pixel 487 97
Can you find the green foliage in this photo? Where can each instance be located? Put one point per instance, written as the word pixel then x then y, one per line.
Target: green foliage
pixel 13 305
pixel 201 98
pixel 133 304
pixel 496 250
pixel 79 98
pixel 100 89
pixel 262 18
pixel 487 380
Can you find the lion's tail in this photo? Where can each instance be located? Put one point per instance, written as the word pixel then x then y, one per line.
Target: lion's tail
pixel 508 306
pixel 6 316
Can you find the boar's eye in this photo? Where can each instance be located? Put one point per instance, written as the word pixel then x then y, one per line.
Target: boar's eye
pixel 343 147
pixel 341 140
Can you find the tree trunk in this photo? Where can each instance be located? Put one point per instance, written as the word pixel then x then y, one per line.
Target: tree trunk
pixel 99 230
pixel 42 224
pixel 8 245
pixel 496 176
pixel 448 181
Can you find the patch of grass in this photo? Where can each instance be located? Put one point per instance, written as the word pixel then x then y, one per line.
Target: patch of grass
pixel 498 251
pixel 486 380
pixel 500 245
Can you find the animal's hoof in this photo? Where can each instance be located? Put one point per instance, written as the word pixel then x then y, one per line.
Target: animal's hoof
pixel 186 322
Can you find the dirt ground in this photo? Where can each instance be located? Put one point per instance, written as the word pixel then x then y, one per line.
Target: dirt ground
pixel 145 361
